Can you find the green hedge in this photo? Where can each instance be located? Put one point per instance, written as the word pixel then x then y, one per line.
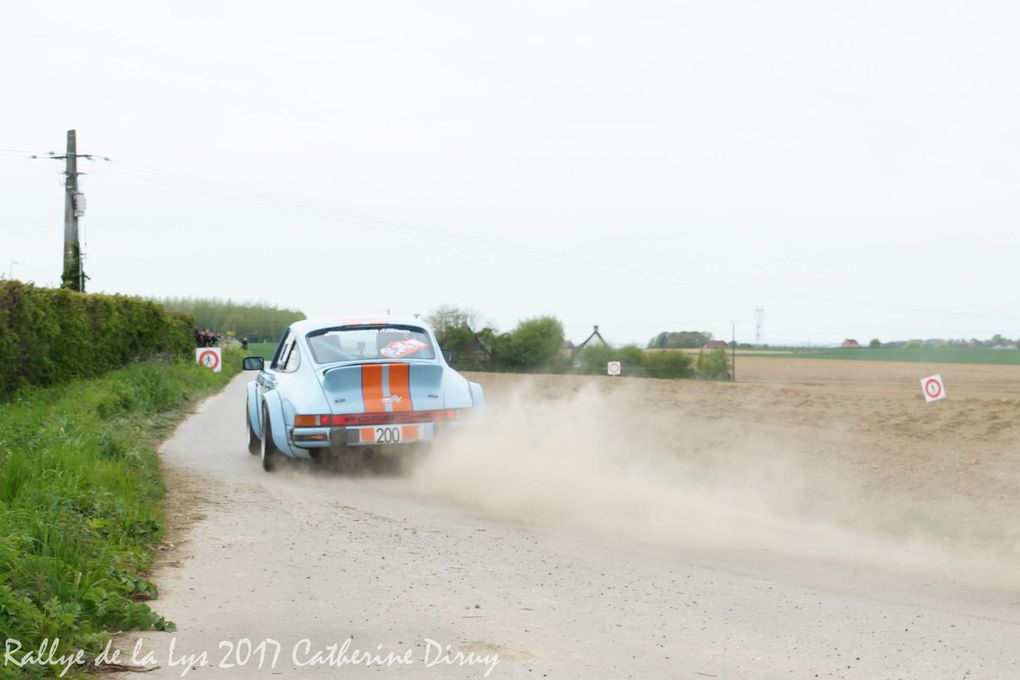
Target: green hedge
pixel 52 335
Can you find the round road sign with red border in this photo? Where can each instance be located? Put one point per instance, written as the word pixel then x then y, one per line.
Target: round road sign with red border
pixel 933 388
pixel 209 357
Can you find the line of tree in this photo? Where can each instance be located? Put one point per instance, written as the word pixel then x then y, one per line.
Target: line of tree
pixel 535 344
pixel 679 340
pixel 538 344
pixel 996 340
pixel 258 322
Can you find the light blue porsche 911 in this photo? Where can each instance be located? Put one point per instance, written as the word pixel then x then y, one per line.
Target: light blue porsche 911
pixel 353 387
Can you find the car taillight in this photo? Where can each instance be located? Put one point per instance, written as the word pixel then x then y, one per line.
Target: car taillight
pixel 374 418
pixel 312 421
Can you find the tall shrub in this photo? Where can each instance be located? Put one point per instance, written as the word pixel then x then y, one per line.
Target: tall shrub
pixel 713 364
pixel 534 344
pixel 668 364
pixel 53 335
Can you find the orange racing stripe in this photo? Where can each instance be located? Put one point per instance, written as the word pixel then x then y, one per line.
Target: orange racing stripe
pixel 400 391
pixel 372 389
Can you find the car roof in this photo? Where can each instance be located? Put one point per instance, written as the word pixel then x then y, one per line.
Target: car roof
pixel 309 325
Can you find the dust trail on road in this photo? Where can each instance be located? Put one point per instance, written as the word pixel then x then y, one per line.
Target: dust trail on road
pixel 597 461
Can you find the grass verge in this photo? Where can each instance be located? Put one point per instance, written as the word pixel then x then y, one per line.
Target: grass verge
pixel 80 503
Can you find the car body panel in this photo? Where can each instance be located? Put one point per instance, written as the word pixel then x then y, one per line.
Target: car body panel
pixel 427 387
pixel 342 385
pixel 477 395
pixel 252 405
pixel 274 407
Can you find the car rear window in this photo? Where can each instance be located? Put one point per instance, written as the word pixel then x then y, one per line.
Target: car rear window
pixel 369 343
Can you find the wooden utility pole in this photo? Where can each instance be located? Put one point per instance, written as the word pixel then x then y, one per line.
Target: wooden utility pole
pixel 733 352
pixel 73 276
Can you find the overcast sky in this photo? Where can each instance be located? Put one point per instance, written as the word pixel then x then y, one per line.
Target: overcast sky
pixel 853 167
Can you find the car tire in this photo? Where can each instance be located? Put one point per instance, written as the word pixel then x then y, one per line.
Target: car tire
pixel 254 445
pixel 268 448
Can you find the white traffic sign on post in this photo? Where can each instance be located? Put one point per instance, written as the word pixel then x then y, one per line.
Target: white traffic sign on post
pixel 933 388
pixel 210 357
pixel 613 368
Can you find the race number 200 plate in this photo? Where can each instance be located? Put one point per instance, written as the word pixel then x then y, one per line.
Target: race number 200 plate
pixel 389 434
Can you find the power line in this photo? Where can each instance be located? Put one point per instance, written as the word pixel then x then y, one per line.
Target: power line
pixel 490 245
pixel 73 274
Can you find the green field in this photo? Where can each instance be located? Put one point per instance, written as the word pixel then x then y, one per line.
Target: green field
pixel 934 355
pixel 262 349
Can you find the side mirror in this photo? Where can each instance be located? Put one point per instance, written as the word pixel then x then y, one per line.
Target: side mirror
pixel 448 355
pixel 253 363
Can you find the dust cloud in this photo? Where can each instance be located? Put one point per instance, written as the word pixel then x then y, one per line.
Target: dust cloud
pixel 609 463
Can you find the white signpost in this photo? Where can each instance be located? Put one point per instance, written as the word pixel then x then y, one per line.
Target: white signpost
pixel 210 357
pixel 933 388
pixel 613 368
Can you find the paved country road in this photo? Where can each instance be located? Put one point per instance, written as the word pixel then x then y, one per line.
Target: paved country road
pixel 309 560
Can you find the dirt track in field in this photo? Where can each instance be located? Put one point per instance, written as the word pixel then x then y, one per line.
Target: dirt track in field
pixel 847 447
pixel 817 517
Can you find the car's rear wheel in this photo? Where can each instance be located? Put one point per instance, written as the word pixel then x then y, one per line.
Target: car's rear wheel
pixel 254 445
pixel 268 448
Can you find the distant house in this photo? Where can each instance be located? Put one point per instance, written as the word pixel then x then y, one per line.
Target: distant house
pixel 479 351
pixel 715 344
pixel 850 343
pixel 594 338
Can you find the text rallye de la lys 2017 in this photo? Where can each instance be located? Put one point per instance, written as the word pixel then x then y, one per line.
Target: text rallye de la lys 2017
pixel 245 653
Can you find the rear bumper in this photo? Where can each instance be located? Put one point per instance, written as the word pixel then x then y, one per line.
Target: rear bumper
pixel 342 437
